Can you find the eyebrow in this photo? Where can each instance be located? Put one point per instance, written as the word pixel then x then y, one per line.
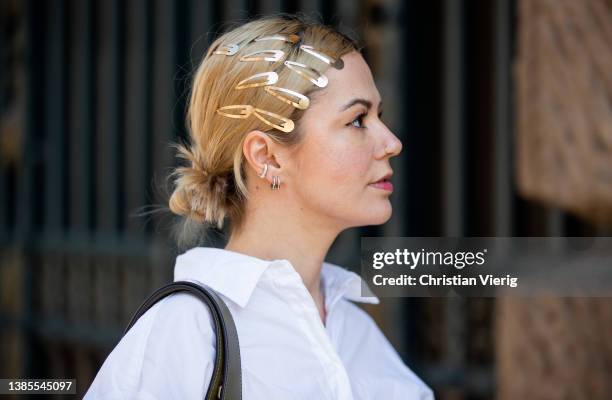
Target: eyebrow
pixel 365 102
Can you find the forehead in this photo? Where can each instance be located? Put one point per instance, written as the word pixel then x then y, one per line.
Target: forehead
pixel 354 80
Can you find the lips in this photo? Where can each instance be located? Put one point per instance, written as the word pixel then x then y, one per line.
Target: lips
pixel 384 183
pixel 384 178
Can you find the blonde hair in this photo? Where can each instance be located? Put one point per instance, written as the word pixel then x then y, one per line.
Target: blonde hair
pixel 212 186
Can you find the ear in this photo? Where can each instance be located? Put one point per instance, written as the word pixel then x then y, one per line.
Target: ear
pixel 258 150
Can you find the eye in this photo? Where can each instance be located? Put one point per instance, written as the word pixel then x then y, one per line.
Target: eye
pixel 360 120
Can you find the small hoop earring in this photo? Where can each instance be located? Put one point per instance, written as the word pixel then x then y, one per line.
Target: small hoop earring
pixel 264 172
pixel 275 182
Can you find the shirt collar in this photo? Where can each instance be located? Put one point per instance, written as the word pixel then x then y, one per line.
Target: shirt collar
pixel 218 269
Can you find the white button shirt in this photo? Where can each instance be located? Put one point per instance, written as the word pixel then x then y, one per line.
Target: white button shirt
pixel 286 350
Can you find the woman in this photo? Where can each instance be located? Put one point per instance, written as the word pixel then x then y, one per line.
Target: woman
pixel 287 145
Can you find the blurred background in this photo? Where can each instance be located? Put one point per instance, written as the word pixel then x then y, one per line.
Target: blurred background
pixel 504 108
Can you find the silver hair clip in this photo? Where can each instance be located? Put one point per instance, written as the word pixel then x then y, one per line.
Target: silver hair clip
pixel 271 79
pixel 232 48
pixel 336 63
pixel 292 38
pixel 307 72
pixel 227 49
pixel 273 55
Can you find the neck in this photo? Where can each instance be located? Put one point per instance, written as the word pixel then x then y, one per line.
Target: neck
pixel 273 233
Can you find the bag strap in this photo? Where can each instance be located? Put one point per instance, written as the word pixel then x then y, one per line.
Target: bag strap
pixel 226 380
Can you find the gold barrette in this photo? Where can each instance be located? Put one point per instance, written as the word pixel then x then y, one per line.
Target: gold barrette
pixel 336 63
pixel 271 79
pixel 292 38
pixel 227 49
pixel 307 72
pixel 286 125
pixel 245 111
pixel 273 55
pixel 280 93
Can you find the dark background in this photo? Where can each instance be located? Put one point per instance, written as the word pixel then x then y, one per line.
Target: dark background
pixel 93 92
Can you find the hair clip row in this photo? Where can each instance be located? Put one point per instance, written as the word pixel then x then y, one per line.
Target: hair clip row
pixel 271 77
pixel 231 49
pixel 244 111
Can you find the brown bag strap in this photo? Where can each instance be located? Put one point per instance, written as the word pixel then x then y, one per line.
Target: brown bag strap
pixel 226 381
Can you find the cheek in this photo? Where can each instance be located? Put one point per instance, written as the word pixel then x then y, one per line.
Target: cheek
pixel 345 163
pixel 334 163
pixel 347 168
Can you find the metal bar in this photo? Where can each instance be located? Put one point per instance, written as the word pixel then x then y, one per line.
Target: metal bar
pixel 503 159
pixel 118 116
pixel 81 117
pixel 4 190
pixel 31 147
pixel 454 134
pixel 137 111
pixel 55 125
pixel 163 95
pixel 35 60
pixel 453 167
pixel 201 32
pixel 180 62
pixel 108 128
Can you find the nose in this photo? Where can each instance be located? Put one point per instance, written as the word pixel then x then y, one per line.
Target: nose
pixel 390 144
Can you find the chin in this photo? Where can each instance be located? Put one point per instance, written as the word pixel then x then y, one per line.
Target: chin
pixel 379 215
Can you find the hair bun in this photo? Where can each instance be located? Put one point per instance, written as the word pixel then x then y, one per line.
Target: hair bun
pixel 199 194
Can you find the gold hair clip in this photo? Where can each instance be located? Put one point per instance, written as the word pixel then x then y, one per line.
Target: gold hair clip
pixel 336 63
pixel 227 49
pixel 302 101
pixel 286 125
pixel 271 79
pixel 308 73
pixel 273 55
pixel 292 38
pixel 245 111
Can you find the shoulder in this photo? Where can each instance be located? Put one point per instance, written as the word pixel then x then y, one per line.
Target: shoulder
pixel 374 359
pixel 167 354
pixel 181 320
pixel 180 311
